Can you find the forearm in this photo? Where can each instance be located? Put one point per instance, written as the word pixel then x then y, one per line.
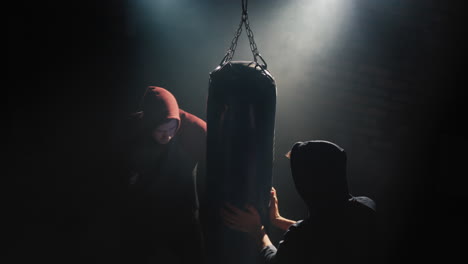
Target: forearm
pixel 261 239
pixel 283 223
pixel 276 219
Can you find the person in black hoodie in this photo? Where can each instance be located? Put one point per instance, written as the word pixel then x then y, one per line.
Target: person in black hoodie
pixel 340 228
pixel 163 153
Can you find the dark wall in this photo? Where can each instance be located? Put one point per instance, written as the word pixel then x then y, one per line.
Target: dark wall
pixel 389 91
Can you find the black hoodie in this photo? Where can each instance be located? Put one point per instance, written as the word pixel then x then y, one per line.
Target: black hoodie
pixel 340 227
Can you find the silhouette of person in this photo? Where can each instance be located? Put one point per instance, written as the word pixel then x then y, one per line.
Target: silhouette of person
pixel 340 228
pixel 163 150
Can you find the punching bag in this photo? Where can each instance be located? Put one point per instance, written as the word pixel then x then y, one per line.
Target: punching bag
pixel 240 150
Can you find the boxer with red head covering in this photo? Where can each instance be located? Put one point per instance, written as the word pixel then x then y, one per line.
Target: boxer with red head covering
pixel 164 155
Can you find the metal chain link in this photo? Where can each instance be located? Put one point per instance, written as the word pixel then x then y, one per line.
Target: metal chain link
pixel 253 47
pixel 232 49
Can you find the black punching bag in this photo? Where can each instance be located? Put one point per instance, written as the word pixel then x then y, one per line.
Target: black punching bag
pixel 240 149
pixel 240 144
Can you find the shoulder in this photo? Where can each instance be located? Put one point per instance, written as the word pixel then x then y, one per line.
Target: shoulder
pixel 190 120
pixel 363 202
pixel 192 134
pixel 132 124
pixel 130 121
pixel 127 127
pixel 362 216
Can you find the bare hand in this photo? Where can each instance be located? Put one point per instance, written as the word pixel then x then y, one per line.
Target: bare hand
pixel 242 220
pixel 275 217
pixel 274 211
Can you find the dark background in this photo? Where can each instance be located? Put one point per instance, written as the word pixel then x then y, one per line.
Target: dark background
pixel 382 79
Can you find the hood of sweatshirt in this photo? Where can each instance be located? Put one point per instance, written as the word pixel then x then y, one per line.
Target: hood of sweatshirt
pixel 318 168
pixel 158 106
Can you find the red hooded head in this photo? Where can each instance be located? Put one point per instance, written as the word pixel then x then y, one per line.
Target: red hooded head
pixel 158 107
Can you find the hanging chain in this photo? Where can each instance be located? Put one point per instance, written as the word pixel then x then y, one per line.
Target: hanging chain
pixel 253 47
pixel 232 49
